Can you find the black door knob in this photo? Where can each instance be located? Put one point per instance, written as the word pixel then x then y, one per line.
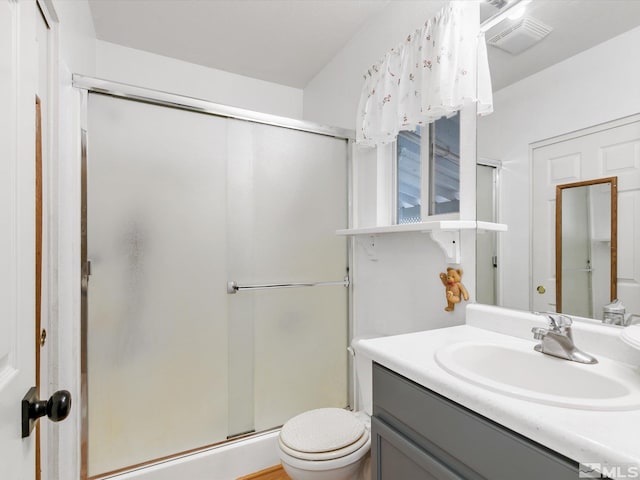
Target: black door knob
pixel 57 408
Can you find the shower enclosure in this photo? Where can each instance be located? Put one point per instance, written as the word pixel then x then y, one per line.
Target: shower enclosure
pixel 181 198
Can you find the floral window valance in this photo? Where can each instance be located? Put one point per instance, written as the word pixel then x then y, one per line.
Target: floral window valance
pixel 430 75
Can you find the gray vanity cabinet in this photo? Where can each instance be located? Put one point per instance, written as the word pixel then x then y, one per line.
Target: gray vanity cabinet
pixel 418 434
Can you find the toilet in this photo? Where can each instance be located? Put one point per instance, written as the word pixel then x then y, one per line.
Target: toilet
pixel 331 443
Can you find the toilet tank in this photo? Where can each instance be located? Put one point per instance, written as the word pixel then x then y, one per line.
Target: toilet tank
pixel 364 386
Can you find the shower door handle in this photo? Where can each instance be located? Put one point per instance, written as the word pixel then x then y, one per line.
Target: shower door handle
pixel 233 286
pixel 57 408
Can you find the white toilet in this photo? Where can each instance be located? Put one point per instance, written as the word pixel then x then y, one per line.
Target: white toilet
pixel 331 443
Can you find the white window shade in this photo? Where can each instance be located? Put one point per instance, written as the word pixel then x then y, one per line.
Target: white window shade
pixel 432 74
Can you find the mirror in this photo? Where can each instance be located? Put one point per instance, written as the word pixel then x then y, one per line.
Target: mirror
pixel 586 246
pixel 566 110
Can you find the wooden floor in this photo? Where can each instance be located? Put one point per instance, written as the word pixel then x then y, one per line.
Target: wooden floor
pixel 271 473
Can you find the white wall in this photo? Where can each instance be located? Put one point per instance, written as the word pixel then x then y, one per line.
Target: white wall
pixel 77 35
pixel 396 283
pixel 595 86
pixel 144 69
pixel 81 53
pixel 331 97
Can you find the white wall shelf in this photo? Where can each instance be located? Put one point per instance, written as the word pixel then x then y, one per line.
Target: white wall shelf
pixel 491 227
pixel 446 233
pixel 438 225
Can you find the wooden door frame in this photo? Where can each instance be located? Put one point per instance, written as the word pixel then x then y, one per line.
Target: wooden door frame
pixel 46 255
pixel 38 266
pixel 613 232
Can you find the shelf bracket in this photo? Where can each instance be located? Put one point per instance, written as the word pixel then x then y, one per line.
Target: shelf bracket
pixel 449 241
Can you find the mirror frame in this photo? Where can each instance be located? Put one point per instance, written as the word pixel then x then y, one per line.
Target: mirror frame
pixel 614 235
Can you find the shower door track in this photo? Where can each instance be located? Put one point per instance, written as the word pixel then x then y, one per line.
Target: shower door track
pixel 194 451
pixel 182 102
pixel 86 85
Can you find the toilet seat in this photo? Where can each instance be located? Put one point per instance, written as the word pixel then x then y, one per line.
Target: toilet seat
pixel 330 455
pixel 323 434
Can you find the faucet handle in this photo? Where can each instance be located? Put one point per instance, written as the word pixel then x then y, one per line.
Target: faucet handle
pixel 538 333
pixel 559 322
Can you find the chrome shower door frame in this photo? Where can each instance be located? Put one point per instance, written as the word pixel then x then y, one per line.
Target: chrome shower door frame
pixel 86 85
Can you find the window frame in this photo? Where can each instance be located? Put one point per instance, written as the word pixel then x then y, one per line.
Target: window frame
pixel 427 176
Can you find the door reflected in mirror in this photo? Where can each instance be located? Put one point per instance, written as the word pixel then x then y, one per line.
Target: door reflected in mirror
pixel 586 246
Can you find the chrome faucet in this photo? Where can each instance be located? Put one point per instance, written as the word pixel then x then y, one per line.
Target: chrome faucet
pixel 557 339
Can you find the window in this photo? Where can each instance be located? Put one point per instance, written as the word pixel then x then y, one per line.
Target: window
pixel 445 166
pixel 428 170
pixel 409 175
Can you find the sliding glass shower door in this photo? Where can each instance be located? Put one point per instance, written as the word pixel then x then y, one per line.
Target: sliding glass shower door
pixel 287 194
pixel 178 204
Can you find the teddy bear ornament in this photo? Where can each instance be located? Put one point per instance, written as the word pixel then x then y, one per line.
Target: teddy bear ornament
pixel 454 289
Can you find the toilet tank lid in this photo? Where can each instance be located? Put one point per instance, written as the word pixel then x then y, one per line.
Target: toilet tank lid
pixel 322 430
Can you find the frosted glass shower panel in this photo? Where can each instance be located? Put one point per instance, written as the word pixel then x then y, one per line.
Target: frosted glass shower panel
pixel 299 193
pixel 157 322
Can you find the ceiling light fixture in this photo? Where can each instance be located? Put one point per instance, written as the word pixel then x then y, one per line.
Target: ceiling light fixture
pixel 509 9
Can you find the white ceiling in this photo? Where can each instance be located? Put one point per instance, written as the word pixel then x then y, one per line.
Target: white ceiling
pixel 290 41
pixel 577 25
pixel 282 41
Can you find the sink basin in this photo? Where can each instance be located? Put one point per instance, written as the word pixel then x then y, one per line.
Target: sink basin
pixel 519 371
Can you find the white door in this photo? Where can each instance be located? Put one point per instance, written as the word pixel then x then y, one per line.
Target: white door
pixel 552 165
pixel 17 232
pixel 611 150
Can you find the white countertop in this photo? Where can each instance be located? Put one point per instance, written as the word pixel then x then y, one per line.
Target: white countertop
pixel 586 436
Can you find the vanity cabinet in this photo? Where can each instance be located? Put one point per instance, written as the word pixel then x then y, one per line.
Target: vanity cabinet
pixel 418 434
